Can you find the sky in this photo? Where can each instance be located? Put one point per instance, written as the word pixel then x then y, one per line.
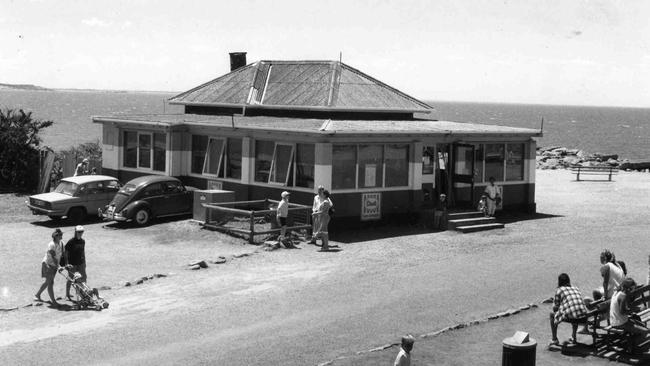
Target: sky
pixel 574 52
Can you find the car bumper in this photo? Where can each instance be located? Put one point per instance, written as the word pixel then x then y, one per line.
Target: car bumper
pixel 106 215
pixel 43 211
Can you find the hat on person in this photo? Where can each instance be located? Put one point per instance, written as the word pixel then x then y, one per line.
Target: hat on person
pixel 320 188
pixel 78 228
pixel 86 160
pixel 284 194
pixel 56 232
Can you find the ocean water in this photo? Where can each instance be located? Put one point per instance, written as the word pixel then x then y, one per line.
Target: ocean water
pixel 608 130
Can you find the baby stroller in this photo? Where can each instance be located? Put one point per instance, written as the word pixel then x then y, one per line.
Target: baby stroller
pixel 86 297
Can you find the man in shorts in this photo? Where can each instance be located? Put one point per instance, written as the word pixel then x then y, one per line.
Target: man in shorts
pixel 75 252
pixel 283 213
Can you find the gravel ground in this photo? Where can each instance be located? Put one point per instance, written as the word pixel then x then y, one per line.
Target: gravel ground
pixel 298 307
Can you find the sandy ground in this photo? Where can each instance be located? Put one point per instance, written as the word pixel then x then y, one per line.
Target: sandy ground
pixel 304 307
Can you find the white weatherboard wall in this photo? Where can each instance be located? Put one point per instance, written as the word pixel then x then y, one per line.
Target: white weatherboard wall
pixel 110 146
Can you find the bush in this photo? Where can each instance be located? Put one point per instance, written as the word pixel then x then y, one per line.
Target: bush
pixel 19 149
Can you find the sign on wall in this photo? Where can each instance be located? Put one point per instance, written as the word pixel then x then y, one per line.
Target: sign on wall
pixel 371 206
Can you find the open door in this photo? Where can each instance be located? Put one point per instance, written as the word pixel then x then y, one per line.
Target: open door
pixel 463 172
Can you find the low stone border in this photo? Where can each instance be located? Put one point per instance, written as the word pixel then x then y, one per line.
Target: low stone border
pixel 436 333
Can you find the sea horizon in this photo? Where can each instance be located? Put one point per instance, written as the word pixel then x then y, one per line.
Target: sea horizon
pixel 618 130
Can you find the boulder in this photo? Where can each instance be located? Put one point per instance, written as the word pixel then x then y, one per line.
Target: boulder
pixel 605 157
pixel 560 151
pixel 219 260
pixel 573 151
pixel 195 267
pixel 552 162
pixel 612 162
pixel 201 264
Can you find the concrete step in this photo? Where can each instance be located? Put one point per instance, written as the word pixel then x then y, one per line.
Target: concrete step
pixel 452 224
pixel 464 215
pixel 474 228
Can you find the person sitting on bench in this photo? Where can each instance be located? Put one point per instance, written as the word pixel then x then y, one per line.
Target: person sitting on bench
pixel 568 304
pixel 619 310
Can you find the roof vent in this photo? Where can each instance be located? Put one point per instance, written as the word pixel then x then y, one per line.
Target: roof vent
pixel 237 60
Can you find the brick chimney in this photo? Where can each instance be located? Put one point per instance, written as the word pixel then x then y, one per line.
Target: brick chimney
pixel 237 60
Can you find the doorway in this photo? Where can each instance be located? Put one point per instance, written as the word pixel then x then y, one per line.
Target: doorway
pixel 463 175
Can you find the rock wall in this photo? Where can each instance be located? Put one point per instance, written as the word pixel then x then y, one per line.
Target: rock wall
pixel 558 157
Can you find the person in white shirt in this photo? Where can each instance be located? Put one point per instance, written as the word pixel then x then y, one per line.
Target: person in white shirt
pixel 49 266
pixel 404 356
pixel 619 311
pixel 493 193
pixel 319 198
pixel 82 168
pixel 283 213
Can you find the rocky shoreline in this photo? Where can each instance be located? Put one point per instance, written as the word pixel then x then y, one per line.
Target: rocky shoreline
pixel 558 157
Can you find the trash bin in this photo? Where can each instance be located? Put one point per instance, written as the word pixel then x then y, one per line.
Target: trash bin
pixel 518 354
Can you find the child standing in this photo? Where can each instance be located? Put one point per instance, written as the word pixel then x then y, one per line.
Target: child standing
pixel 404 356
pixel 283 213
pixel 482 205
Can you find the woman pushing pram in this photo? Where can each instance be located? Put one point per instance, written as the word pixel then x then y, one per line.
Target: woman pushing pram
pixel 86 297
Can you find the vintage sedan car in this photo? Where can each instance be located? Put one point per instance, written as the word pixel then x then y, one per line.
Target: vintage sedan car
pixel 75 197
pixel 148 197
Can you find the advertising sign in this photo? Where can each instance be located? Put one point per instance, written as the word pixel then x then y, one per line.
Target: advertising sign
pixel 371 206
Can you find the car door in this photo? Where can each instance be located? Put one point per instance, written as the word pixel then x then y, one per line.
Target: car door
pixel 154 195
pixel 176 197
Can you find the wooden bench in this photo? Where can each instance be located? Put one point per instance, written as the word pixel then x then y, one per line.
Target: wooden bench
pixel 640 299
pixel 593 170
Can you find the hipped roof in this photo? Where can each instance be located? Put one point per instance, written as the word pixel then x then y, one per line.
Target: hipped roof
pixel 301 85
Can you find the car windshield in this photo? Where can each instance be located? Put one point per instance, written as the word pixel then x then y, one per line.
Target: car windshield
pixel 68 188
pixel 128 189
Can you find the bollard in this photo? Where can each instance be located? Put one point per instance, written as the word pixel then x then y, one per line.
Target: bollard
pixel 519 350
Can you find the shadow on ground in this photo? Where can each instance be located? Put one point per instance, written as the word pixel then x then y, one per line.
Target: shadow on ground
pixel 508 218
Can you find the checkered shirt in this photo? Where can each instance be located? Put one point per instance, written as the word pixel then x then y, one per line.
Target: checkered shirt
pixel 570 304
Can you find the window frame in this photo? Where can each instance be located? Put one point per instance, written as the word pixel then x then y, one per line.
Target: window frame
pixel 206 159
pixel 383 186
pixel 290 164
pixel 152 150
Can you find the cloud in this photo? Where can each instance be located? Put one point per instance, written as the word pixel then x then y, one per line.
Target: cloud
pixel 574 33
pixel 94 22
pixel 127 24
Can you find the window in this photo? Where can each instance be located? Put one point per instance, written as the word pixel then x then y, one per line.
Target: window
pixel 305 160
pixel 130 149
pixel 213 157
pixel 428 160
pixel 233 158
pixel 263 158
pixel 371 166
pixel 199 146
pixel 515 162
pixel 344 166
pixel 281 164
pixel 145 150
pixel 478 164
pixel 494 158
pixel 154 189
pixel 397 165
pixel 159 151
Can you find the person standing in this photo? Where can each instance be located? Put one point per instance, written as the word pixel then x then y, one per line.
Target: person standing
pixel 322 217
pixel 82 168
pixel 318 199
pixel 440 213
pixel 49 266
pixel 494 197
pixel 283 213
pixel 404 356
pixel 75 254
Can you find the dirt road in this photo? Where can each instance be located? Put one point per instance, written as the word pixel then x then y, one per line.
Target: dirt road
pixel 303 307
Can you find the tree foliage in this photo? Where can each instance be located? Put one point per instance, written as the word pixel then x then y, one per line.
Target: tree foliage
pixel 19 148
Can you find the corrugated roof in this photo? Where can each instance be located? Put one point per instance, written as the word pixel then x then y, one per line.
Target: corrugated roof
pixel 321 85
pixel 323 126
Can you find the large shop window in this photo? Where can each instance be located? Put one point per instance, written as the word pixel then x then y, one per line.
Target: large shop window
pixel 145 150
pixel 494 159
pixel 220 157
pixel 428 159
pixel 478 164
pixel 284 164
pixel 514 162
pixel 305 160
pixel 370 166
pixel 199 146
pixel 397 165
pixel 344 166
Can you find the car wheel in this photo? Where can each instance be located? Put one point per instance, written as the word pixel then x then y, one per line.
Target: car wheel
pixel 142 216
pixel 55 218
pixel 76 215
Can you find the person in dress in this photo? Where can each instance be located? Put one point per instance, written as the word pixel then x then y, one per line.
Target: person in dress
pixel 493 193
pixel 404 355
pixel 49 266
pixel 612 274
pixel 568 304
pixel 322 217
